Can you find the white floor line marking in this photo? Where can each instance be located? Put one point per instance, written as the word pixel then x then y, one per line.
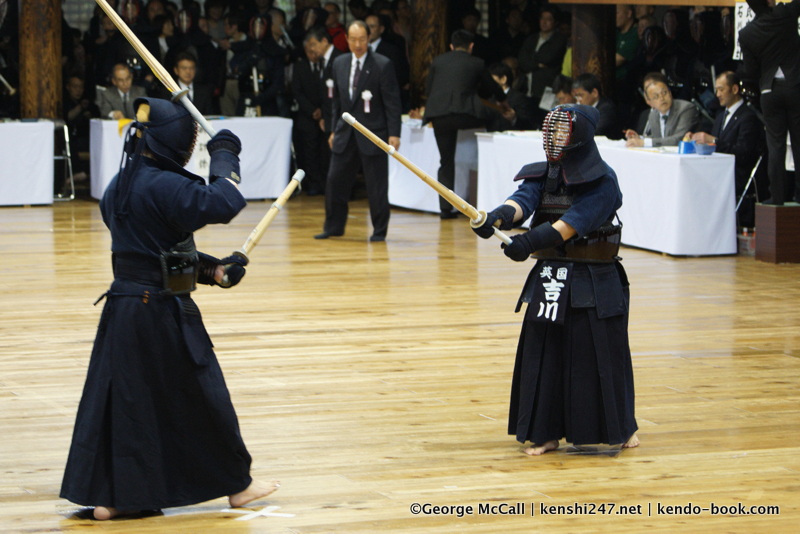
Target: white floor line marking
pixel 267 511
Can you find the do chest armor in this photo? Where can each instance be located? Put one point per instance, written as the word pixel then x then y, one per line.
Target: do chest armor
pixel 599 246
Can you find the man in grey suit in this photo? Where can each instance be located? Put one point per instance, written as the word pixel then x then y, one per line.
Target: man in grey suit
pixel 116 102
pixel 365 86
pixel 669 119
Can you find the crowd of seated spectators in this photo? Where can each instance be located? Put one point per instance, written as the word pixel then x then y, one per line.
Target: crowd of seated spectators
pixel 237 56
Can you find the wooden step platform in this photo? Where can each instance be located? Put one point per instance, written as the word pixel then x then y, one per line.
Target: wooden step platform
pixel 778 233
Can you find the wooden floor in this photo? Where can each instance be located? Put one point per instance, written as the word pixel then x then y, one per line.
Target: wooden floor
pixel 370 377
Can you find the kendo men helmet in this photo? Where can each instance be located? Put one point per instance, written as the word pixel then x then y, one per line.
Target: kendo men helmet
pixel 568 138
pixel 168 130
pixel 562 131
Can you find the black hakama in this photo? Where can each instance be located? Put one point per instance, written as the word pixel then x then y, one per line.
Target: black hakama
pixel 155 427
pixel 575 380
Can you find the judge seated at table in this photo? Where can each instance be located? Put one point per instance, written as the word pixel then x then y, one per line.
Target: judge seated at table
pixel 737 130
pixel 669 119
pixel 116 102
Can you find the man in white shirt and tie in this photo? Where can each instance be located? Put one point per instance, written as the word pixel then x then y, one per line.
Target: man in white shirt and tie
pixel 669 119
pixel 320 42
pixel 200 94
pixel 365 85
pixel 737 130
pixel 116 102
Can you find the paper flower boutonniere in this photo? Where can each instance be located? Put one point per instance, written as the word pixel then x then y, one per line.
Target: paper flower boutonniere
pixel 366 96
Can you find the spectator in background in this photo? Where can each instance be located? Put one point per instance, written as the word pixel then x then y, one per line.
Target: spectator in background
pixel 519 82
pixel 377 27
pixel 627 39
pixel 309 14
pixel 281 36
pixel 516 114
pixel 235 49
pixel 310 143
pixel 625 83
pixel 587 91
pixel 131 14
pixel 116 102
pixel 192 39
pixel 507 41
pixel 334 26
pixel 78 111
pixel 669 120
pixel 565 27
pixel 641 11
pixel 262 77
pixel 402 15
pixel 681 52
pixel 386 14
pixel 165 29
pixel 201 94
pixel 530 13
pixel 155 8
pixel 470 21
pixel 542 55
pixel 215 13
pixel 651 57
pixel 562 87
pixel 320 41
pixel 642 24
pixel 258 8
pixel 358 8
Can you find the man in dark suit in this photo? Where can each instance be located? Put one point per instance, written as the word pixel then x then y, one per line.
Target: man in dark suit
pixel 542 53
pixel 770 45
pixel 737 130
pixel 320 42
pixel 310 143
pixel 117 102
pixel 454 81
pixel 366 87
pixel 586 90
pixel 669 119
pixel 201 95
pixel 379 45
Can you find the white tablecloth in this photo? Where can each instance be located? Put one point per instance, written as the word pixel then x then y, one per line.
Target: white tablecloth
pixel 418 145
pixel 26 163
pixel 677 204
pixel 265 157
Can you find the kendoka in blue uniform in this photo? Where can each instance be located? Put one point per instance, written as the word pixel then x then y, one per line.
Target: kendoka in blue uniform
pixel 156 427
pixel 573 376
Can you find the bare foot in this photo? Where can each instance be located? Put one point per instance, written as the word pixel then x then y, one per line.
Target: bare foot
pixel 538 450
pixel 103 513
pixel 631 443
pixel 255 490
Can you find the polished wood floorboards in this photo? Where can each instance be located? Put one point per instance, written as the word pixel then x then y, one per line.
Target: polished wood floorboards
pixel 372 376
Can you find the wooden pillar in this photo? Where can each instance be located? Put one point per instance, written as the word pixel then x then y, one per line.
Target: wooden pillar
pixel 40 59
pixel 430 40
pixel 594 43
